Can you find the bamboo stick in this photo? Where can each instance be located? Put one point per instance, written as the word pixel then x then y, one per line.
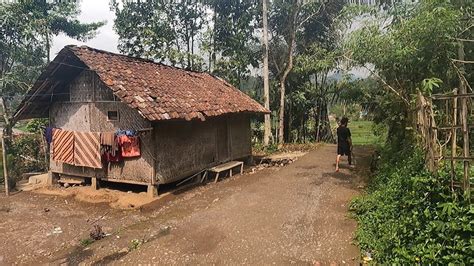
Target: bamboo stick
pixel 5 167
pixel 453 138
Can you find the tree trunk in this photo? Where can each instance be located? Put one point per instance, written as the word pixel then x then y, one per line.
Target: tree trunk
pixel 6 135
pixel 289 66
pixel 213 54
pixel 266 86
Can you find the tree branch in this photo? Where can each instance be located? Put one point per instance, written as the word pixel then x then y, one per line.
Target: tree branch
pixel 462 40
pixel 461 75
pixel 310 16
pixel 406 101
pixel 462 61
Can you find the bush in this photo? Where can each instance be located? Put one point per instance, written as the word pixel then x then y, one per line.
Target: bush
pixel 411 216
pixel 26 154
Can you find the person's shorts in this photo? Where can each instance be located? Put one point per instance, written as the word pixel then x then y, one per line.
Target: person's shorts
pixel 342 150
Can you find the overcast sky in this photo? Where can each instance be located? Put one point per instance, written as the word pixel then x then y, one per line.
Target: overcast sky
pixel 92 11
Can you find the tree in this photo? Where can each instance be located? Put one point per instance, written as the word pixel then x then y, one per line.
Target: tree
pixel 318 62
pixel 182 32
pixel 27 28
pixel 397 48
pixel 292 28
pixel 296 25
pixel 61 17
pixel 266 86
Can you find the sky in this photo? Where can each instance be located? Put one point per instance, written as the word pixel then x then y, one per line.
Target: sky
pixel 92 11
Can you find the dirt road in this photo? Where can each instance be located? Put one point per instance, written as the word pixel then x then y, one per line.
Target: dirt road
pixel 293 214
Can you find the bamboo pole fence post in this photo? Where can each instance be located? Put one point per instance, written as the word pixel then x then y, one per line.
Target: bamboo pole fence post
pixel 5 167
pixel 454 137
pixel 465 132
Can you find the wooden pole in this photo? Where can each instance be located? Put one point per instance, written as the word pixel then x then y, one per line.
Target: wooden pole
pixel 5 167
pixel 454 138
pixel 465 132
pixel 465 127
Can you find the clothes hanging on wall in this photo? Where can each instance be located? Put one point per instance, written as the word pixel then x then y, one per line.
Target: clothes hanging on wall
pixel 129 146
pixel 107 157
pixel 87 149
pixel 63 146
pixel 127 132
pixel 107 138
pixel 48 135
pixel 109 143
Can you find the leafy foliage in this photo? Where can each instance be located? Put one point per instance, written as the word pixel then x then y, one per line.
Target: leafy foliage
pixel 410 216
pixel 26 154
pixel 397 46
pixel 27 28
pixel 212 35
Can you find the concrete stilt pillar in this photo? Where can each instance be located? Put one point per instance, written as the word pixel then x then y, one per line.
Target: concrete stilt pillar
pixel 52 178
pixel 152 190
pixel 94 183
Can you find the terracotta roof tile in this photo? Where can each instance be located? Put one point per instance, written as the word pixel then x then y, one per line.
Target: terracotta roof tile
pixel 162 92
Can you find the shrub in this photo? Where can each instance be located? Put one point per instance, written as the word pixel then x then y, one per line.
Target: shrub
pixel 26 154
pixel 411 216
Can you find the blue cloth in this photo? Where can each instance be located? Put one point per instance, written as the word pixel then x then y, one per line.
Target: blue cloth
pixel 48 135
pixel 128 132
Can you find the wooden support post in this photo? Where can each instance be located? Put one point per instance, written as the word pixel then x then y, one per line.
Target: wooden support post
pixel 152 190
pixel 464 115
pixel 5 166
pixel 217 177
pixel 204 176
pixel 465 132
pixel 241 168
pixel 454 138
pixel 94 183
pixel 230 172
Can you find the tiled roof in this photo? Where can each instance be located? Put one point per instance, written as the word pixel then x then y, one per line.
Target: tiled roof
pixel 161 92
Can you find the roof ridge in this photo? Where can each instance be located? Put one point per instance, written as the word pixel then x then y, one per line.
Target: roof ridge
pixel 72 46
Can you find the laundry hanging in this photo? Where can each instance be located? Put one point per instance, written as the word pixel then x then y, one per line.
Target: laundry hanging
pixel 107 138
pixel 63 146
pixel 87 149
pixel 48 135
pixel 129 145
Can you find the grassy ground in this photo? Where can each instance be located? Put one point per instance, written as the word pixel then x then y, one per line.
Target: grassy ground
pixel 363 133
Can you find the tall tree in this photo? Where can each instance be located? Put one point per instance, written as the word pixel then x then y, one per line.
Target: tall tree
pixel 295 26
pixel 26 28
pixel 21 53
pixel 266 86
pixel 189 33
pixel 61 17
pixel 292 28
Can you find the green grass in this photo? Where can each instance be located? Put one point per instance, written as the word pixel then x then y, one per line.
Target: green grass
pixel 363 133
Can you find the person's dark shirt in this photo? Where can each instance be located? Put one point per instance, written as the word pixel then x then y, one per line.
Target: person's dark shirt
pixel 343 135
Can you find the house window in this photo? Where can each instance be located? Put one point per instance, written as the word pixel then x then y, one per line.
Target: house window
pixel 112 116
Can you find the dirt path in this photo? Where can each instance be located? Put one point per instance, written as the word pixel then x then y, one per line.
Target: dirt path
pixel 293 214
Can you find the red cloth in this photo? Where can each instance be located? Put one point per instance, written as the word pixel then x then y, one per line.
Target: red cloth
pixel 108 157
pixel 130 146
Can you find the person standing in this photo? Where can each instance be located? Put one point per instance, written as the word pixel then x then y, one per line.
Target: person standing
pixel 344 142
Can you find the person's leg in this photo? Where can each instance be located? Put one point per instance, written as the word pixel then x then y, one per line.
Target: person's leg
pixel 338 158
pixel 349 157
